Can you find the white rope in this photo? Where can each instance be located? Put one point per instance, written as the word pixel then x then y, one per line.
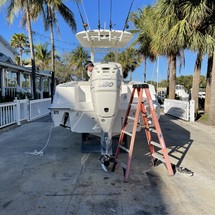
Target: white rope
pixel 40 152
pixel 85 14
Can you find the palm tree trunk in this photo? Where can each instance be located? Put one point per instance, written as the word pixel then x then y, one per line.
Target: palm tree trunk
pixel 53 48
pixel 20 56
pixel 208 84
pixel 168 69
pixel 130 75
pixel 52 37
pixel 211 118
pixel 144 72
pixel 31 50
pixel 196 80
pixel 172 77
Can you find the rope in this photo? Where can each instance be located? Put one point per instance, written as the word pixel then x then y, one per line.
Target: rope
pixel 40 152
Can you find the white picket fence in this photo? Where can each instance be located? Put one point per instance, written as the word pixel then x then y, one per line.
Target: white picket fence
pixel 181 109
pixel 19 110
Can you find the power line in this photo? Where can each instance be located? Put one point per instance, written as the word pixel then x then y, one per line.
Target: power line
pixel 56 40
pixel 60 47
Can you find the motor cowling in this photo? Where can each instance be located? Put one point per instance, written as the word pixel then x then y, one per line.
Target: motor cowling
pixel 105 91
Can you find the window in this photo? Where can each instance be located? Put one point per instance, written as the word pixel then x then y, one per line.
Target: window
pixel 10 78
pixel 25 80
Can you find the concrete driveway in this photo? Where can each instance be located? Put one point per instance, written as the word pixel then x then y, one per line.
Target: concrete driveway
pixel 64 181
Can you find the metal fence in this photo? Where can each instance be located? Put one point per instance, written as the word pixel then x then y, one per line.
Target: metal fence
pixel 19 110
pixel 180 109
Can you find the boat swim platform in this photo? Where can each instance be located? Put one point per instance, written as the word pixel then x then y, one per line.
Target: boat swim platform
pixel 63 180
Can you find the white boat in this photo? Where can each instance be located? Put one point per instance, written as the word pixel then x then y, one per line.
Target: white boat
pixel 97 106
pixel 181 93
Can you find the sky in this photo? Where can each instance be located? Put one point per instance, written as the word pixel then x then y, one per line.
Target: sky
pixel 67 41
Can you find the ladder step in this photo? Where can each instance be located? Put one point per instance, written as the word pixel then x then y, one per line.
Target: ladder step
pixel 123 148
pixel 129 134
pixel 131 118
pixel 134 105
pixel 122 164
pixel 150 129
pixel 155 144
pixel 159 157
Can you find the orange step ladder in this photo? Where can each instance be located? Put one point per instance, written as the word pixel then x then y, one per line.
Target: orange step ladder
pixel 141 109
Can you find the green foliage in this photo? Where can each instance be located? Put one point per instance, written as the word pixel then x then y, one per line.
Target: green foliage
pixel 110 57
pixel 153 83
pixel 20 42
pixel 21 95
pixel 77 59
pixel 163 83
pixel 186 81
pixel 129 60
pixel 6 99
pixel 42 56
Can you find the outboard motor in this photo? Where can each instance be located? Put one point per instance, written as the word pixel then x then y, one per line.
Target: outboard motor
pixel 105 91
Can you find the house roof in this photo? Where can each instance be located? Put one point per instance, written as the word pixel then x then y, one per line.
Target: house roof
pixel 6 59
pixel 7 44
pixel 14 66
pixel 23 69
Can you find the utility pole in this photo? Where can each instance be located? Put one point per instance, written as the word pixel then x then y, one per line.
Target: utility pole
pixel 157 72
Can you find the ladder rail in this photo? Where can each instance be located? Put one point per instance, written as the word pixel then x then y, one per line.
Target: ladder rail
pixel 146 127
pixel 124 125
pixel 159 132
pixel 141 109
pixel 134 130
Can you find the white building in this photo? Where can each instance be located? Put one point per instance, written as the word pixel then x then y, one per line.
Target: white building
pixel 7 50
pixel 17 80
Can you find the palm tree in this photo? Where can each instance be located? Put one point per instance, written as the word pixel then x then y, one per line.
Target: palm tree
pixel 159 35
pixel 78 57
pixel 13 7
pixel 195 14
pixel 168 37
pixel 143 40
pixel 198 25
pixel 200 17
pixel 109 57
pixel 50 9
pixel 129 61
pixel 19 41
pixel 42 55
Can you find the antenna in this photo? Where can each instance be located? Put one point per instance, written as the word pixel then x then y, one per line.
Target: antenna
pixel 126 21
pixel 99 24
pixel 85 14
pixel 110 15
pixel 85 25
